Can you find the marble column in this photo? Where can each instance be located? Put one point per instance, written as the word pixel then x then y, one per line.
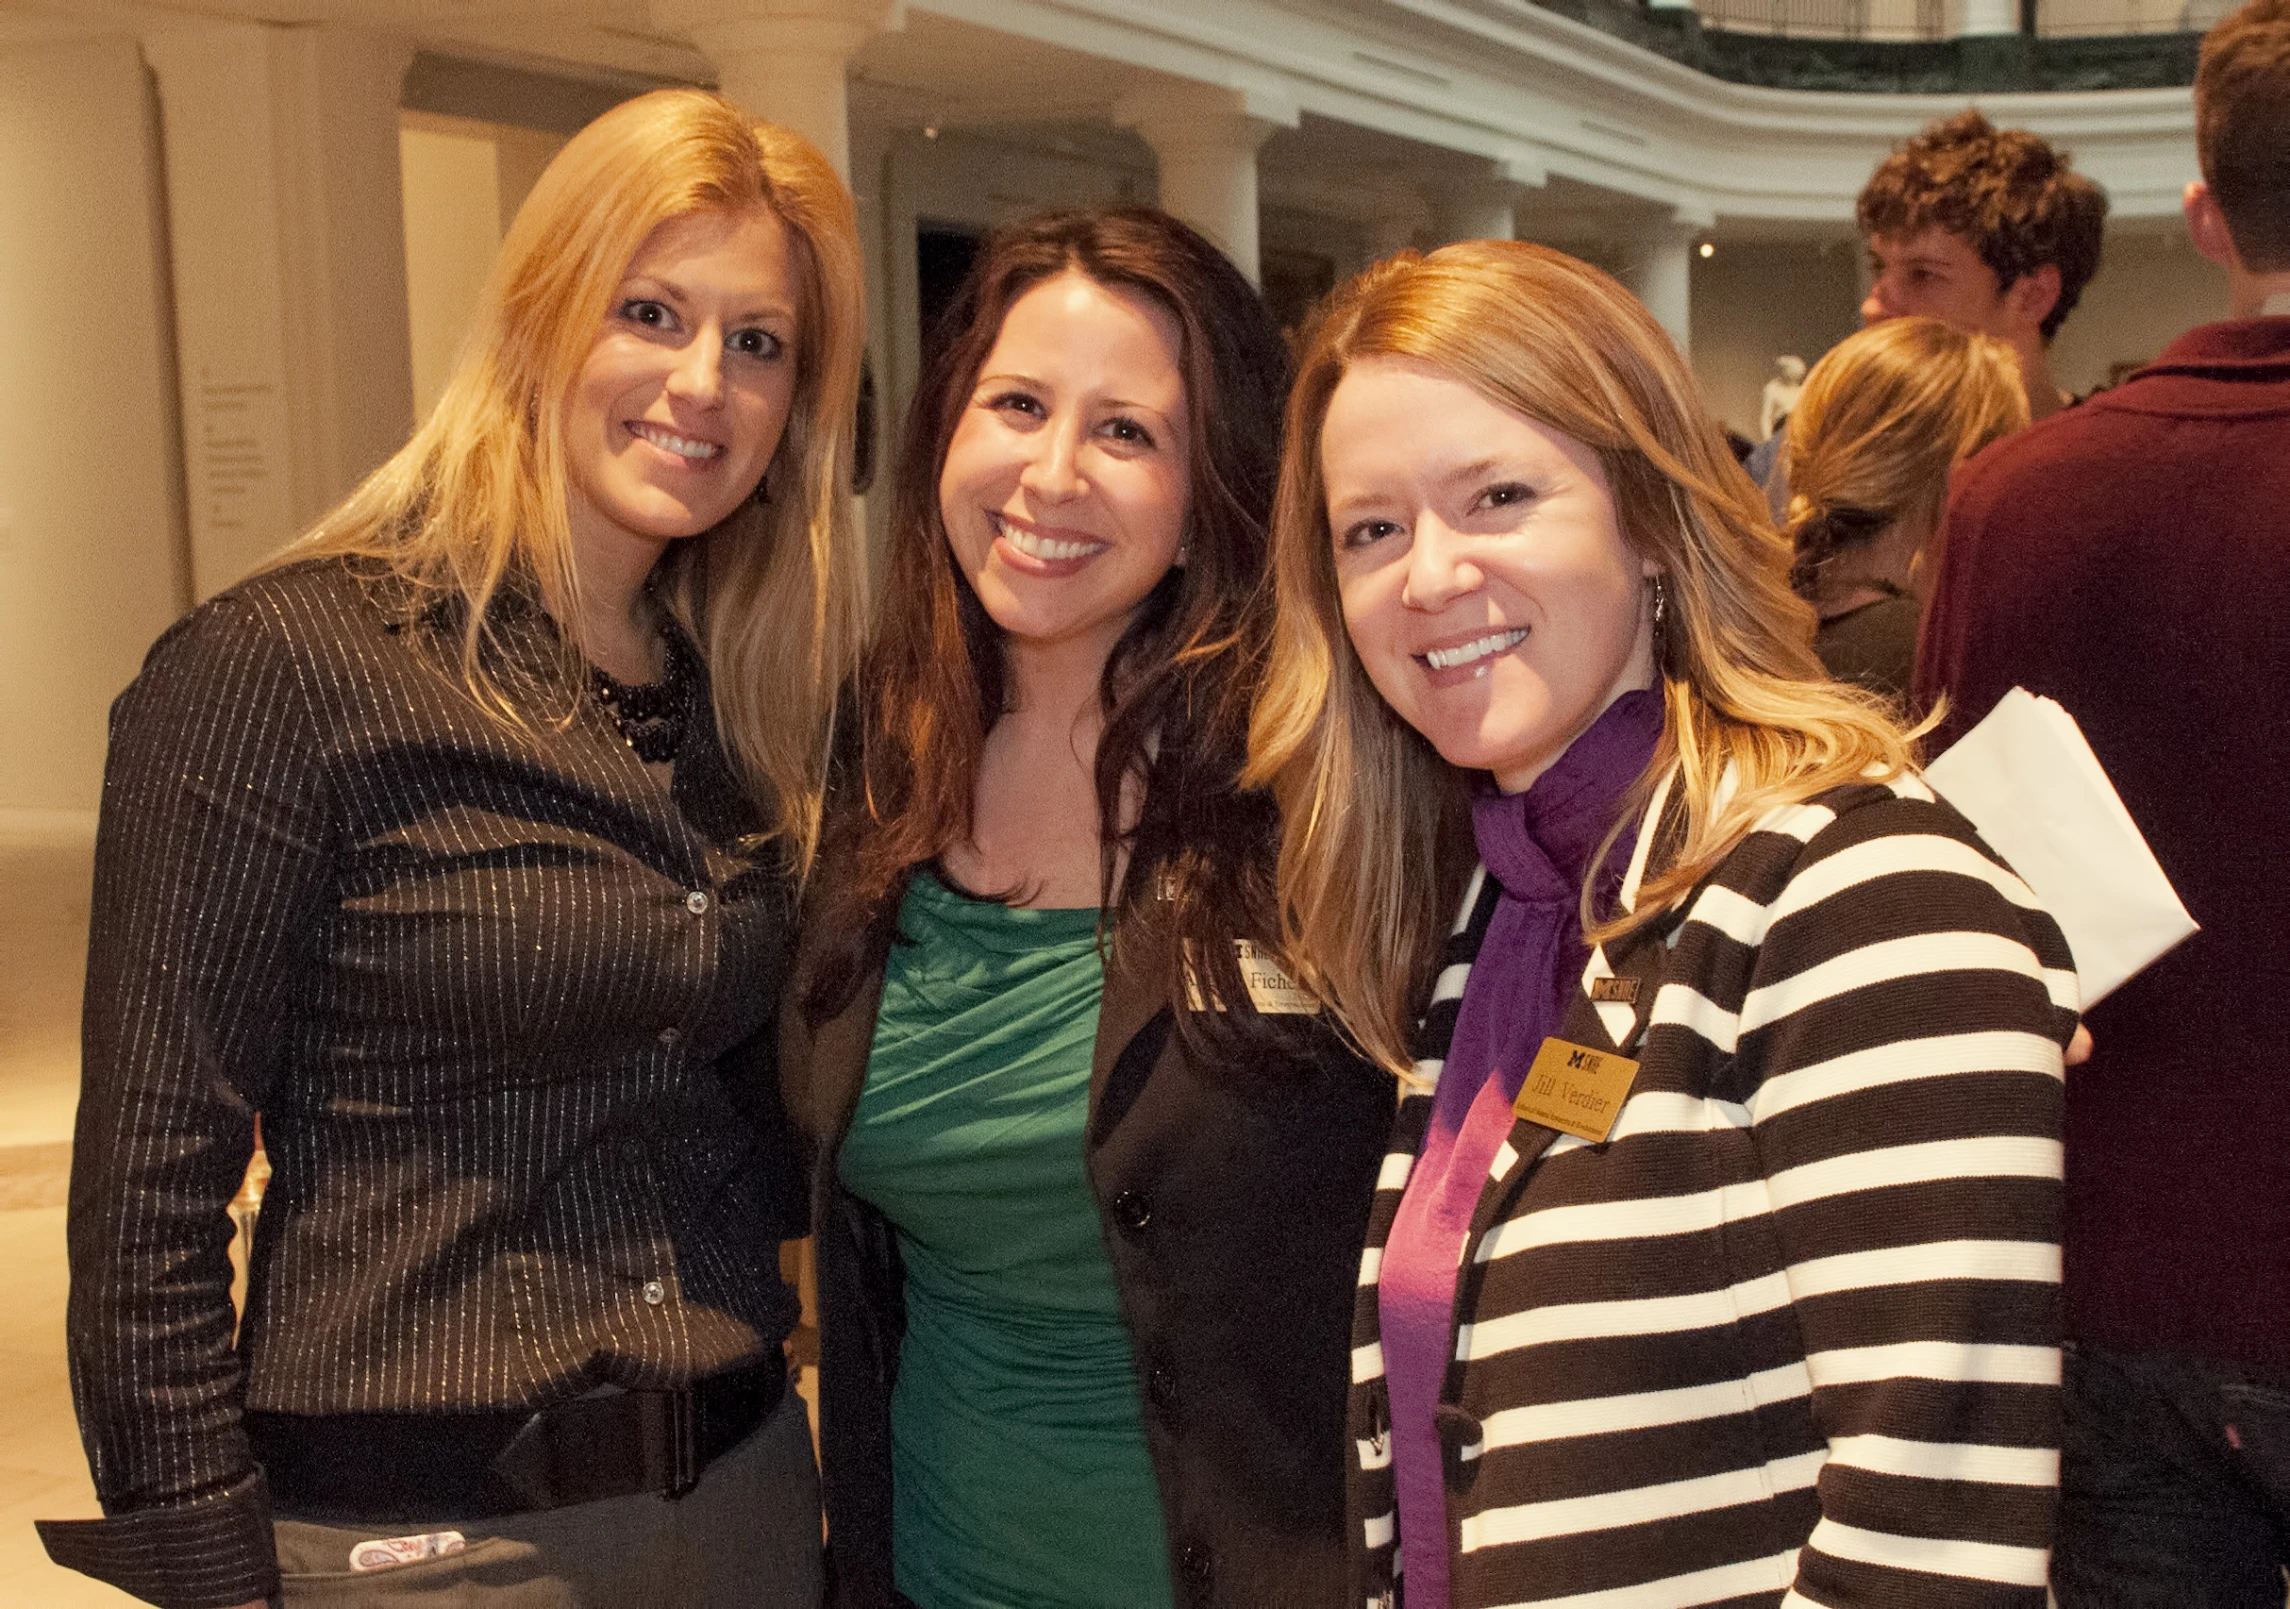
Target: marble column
pixel 1205 139
pixel 1478 209
pixel 1661 276
pixel 287 247
pixel 1987 18
pixel 786 60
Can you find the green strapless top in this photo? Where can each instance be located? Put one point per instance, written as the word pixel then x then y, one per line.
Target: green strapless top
pixel 1020 1477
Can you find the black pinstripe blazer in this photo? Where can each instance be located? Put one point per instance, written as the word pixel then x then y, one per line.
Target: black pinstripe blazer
pixel 504 1005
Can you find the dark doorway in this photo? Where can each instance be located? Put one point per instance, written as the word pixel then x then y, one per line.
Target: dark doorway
pixel 943 253
pixel 1294 282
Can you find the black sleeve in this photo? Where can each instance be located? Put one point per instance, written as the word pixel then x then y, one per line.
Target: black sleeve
pixel 213 868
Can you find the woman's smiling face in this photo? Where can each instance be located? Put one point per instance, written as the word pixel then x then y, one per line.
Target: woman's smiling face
pixel 686 391
pixel 1064 489
pixel 1482 571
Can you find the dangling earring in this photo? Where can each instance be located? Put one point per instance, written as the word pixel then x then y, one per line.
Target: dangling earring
pixel 761 496
pixel 1183 549
pixel 1661 620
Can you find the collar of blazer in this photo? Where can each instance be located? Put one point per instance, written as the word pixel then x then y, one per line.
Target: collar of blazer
pixel 821 1070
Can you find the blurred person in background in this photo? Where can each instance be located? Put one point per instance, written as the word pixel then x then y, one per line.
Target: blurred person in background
pixel 2131 559
pixel 460 847
pixel 1884 418
pixel 1989 230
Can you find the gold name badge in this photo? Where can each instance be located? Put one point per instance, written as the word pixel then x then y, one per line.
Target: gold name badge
pixel 1575 1089
pixel 1270 989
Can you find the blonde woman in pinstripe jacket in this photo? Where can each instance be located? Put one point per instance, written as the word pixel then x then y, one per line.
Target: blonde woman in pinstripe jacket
pixel 460 847
pixel 1715 1260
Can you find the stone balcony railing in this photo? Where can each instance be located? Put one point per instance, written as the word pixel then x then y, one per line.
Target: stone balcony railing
pixel 1906 46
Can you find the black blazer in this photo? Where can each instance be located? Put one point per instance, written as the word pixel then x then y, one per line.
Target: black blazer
pixel 1233 1200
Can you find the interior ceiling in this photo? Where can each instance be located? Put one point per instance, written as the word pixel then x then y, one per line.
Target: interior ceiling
pixel 952 74
pixel 938 71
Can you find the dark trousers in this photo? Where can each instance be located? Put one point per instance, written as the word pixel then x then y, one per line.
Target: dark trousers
pixel 2174 1484
pixel 746 1537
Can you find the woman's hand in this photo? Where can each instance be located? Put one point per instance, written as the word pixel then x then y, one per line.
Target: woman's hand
pixel 2079 1048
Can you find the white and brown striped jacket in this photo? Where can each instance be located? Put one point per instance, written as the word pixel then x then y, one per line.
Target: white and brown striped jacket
pixel 1790 1334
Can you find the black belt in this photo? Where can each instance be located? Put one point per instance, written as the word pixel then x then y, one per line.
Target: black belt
pixel 360 1468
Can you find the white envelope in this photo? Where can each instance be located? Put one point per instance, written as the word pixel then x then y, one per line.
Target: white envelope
pixel 2029 782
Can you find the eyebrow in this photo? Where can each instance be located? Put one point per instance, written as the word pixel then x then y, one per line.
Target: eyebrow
pixel 677 293
pixel 1346 507
pixel 1473 470
pixel 1462 472
pixel 985 380
pixel 1141 407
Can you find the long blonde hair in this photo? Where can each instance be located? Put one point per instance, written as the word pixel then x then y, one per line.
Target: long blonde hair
pixel 1365 800
pixel 477 500
pixel 1883 418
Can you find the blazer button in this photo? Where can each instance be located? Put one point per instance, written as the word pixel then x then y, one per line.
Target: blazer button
pixel 671 1037
pixel 697 902
pixel 654 1292
pixel 1132 1210
pixel 1197 1564
pixel 1161 1386
pixel 1457 1427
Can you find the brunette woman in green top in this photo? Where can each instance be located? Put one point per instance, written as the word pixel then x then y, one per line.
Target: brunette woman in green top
pixel 1089 1190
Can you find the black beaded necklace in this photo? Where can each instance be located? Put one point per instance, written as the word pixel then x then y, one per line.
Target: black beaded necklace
pixel 650 715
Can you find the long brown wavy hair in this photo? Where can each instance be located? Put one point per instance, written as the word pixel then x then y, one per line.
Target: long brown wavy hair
pixel 475 504
pixel 1177 686
pixel 1368 808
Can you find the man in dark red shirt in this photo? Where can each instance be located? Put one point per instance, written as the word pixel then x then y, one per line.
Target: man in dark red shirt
pixel 2131 558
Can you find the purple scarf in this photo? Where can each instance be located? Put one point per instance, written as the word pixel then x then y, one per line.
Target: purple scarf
pixel 1537 845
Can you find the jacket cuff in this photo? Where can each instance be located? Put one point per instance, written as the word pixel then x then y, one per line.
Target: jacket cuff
pixel 211 1553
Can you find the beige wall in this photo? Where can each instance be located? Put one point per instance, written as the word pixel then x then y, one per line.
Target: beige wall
pixel 1754 301
pixel 288 274
pixel 92 552
pixel 453 225
pixel 2151 288
pixel 463 183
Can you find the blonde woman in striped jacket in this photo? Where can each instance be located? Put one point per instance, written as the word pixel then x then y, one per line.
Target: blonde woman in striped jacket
pixel 1716 1257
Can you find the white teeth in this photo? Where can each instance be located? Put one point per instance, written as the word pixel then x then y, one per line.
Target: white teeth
pixel 1045 547
pixel 676 444
pixel 1495 642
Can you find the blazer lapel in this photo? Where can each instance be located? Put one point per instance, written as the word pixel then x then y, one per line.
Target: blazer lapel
pixel 1595 1013
pixel 1136 1000
pixel 821 1070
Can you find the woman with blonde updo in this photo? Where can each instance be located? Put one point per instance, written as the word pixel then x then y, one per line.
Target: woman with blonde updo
pixel 1716 1257
pixel 1884 417
pixel 458 847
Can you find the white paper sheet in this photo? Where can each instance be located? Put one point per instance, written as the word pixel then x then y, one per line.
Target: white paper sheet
pixel 2029 782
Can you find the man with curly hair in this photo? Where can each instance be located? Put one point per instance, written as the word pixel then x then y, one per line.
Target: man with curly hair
pixel 2131 559
pixel 1987 229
